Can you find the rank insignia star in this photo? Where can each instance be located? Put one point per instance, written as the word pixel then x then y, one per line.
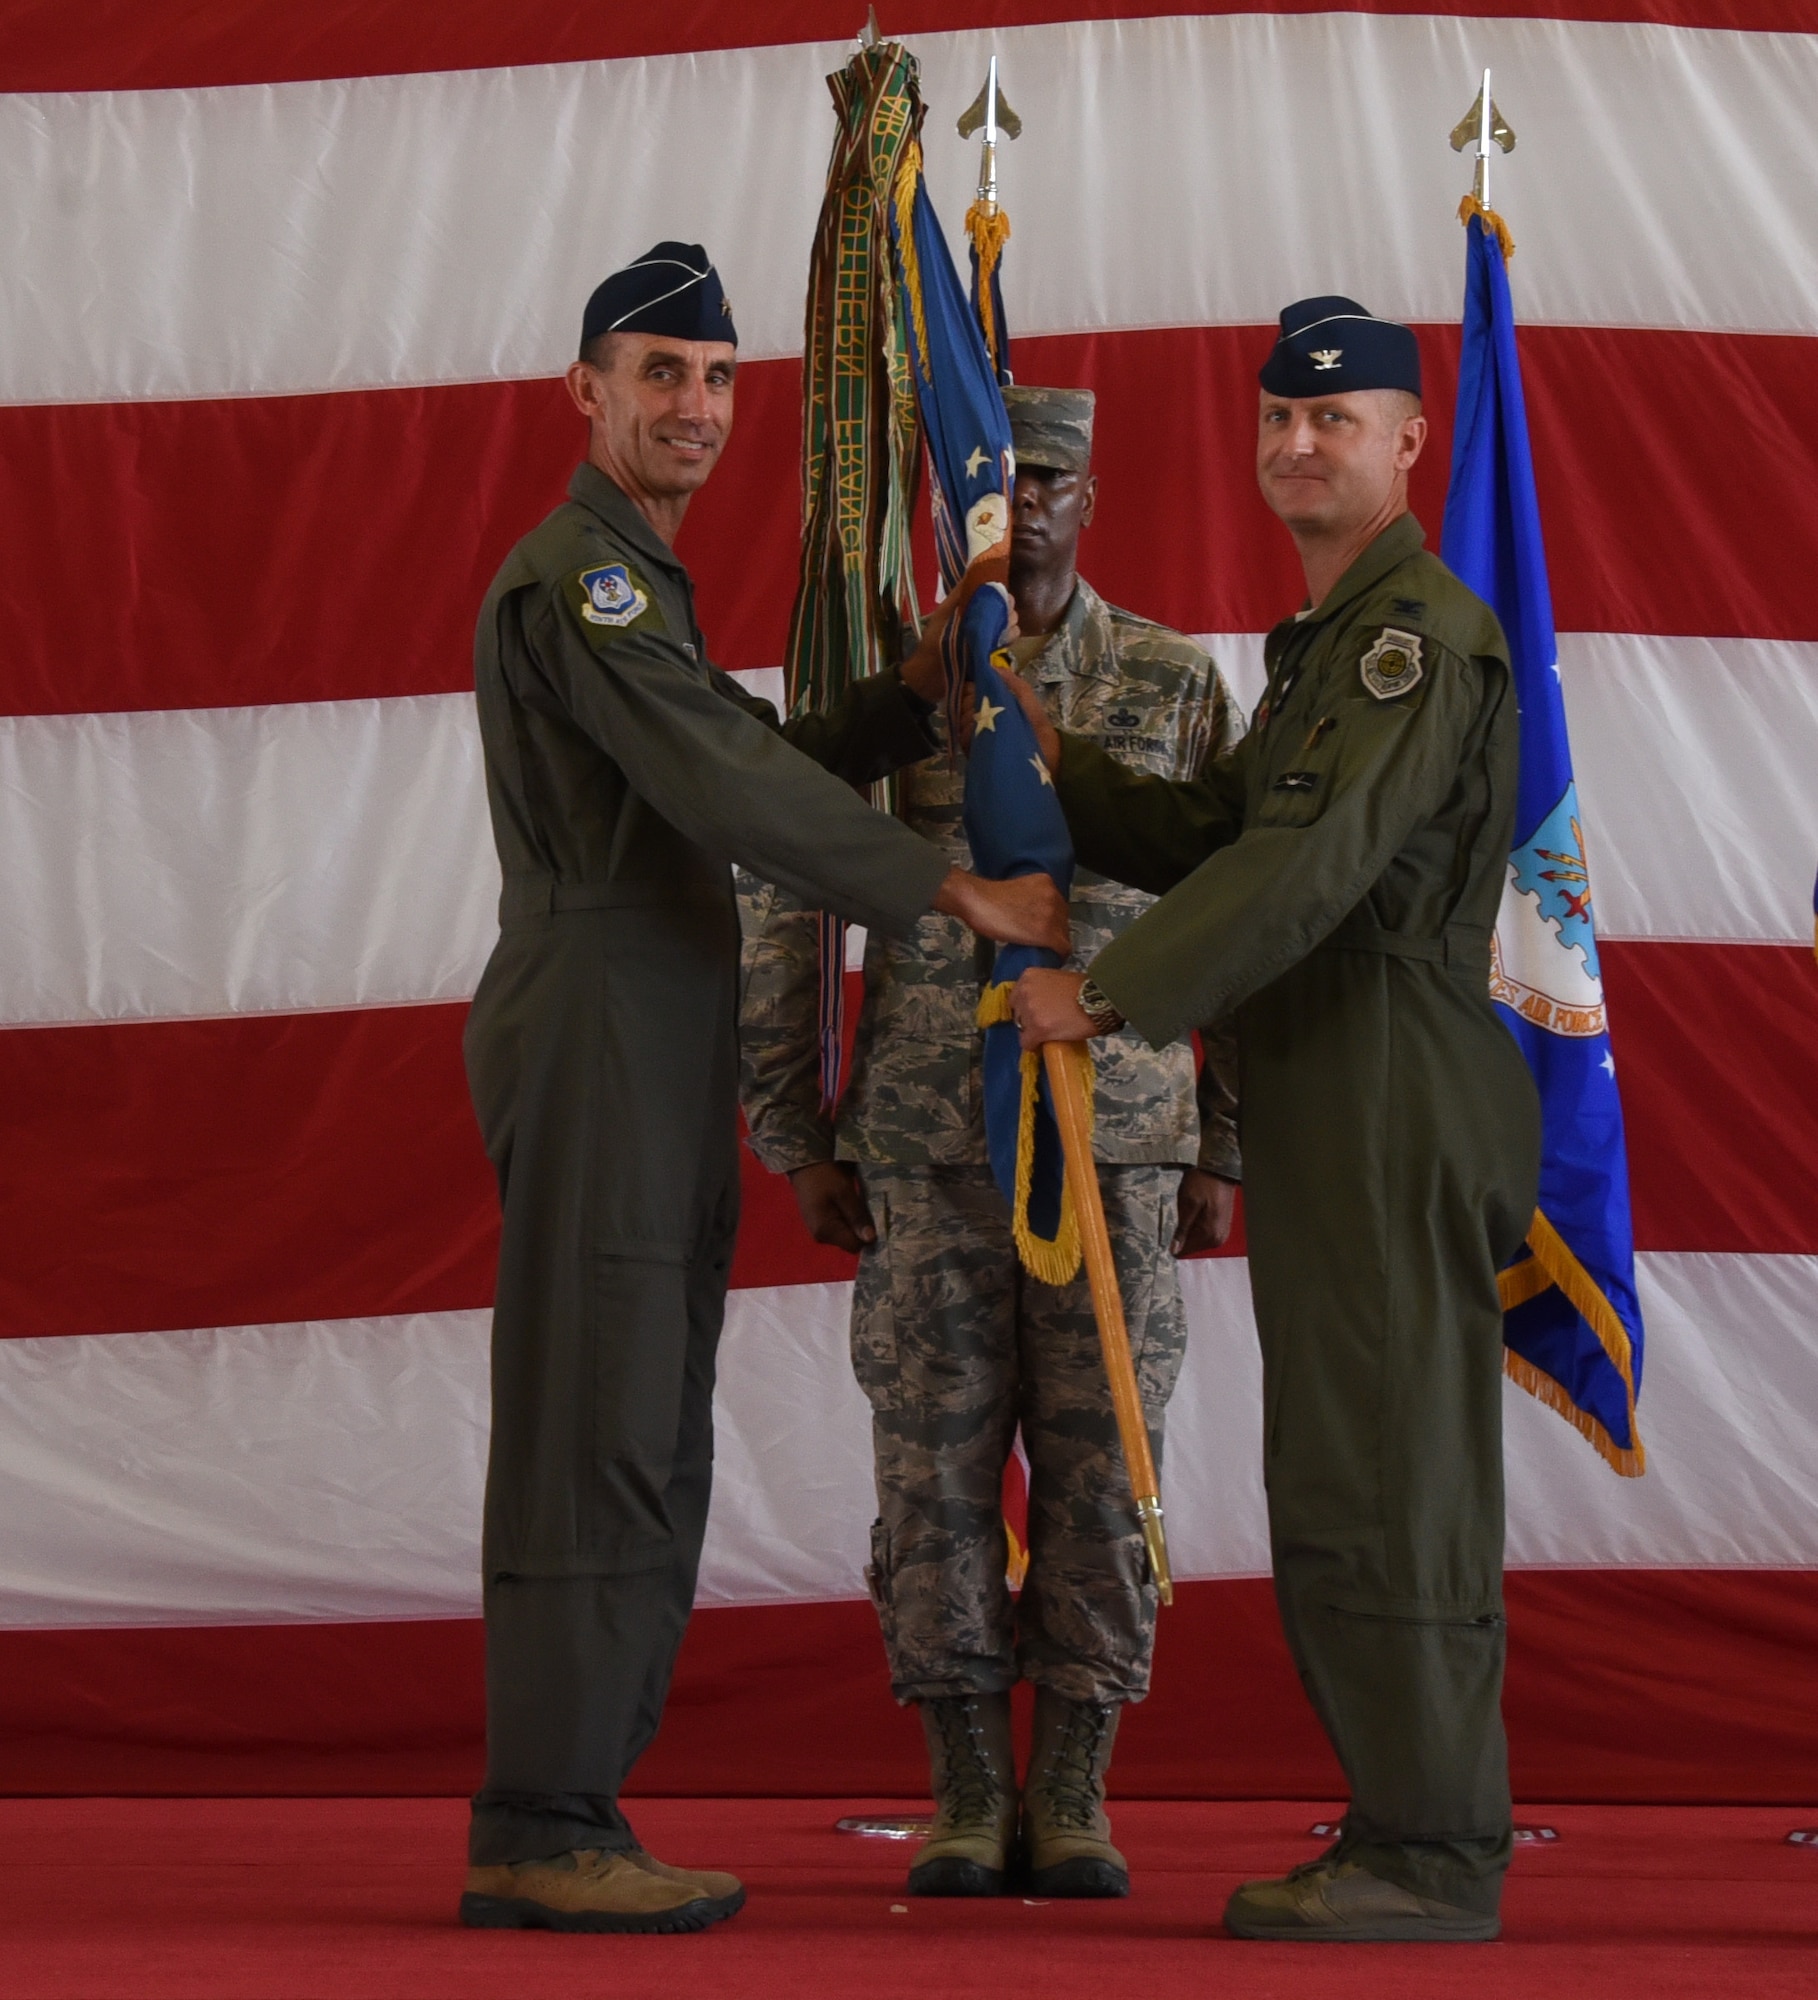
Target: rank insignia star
pixel 975 461
pixel 986 718
pixel 1041 770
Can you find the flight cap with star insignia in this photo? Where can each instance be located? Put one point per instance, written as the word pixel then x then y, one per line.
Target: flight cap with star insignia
pixel 1330 346
pixel 672 289
pixel 1051 427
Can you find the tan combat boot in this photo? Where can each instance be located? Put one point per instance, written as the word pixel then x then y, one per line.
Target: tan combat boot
pixel 974 1774
pixel 594 1891
pixel 1330 1901
pixel 1066 1836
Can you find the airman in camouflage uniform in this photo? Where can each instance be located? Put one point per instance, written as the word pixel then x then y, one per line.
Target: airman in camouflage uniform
pixel 954 1345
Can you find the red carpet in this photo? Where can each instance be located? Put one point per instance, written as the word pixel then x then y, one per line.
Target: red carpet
pixel 296 1899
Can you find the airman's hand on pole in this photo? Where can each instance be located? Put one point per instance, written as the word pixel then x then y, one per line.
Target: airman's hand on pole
pixel 1028 909
pixel 1045 1005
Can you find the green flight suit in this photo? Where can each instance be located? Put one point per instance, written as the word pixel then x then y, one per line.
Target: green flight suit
pixel 624 774
pixel 1335 882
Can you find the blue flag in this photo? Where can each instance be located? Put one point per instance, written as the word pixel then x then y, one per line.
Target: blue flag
pixel 1013 817
pixel 1572 1323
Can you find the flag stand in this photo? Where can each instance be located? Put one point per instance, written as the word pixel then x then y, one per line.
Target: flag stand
pixel 1063 1062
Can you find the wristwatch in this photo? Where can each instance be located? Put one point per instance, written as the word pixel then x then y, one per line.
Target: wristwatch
pixel 1105 1018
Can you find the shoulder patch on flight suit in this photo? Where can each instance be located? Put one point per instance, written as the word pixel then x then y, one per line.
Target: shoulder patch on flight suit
pixel 612 597
pixel 1392 666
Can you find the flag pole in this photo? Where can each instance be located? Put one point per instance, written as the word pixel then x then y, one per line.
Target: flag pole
pixel 1064 1063
pixel 1482 126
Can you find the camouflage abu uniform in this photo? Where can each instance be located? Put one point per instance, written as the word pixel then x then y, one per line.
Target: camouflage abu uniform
pixel 953 1345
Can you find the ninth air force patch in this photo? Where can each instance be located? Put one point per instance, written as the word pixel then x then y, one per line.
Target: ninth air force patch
pixel 1392 666
pixel 609 596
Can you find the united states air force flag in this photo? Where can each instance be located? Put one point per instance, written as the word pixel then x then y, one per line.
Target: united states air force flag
pixel 1013 818
pixel 1572 1324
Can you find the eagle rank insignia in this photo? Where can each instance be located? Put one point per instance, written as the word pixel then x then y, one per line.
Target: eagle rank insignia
pixel 1392 666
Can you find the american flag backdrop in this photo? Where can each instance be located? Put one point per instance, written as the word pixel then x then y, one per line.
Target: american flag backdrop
pixel 283 297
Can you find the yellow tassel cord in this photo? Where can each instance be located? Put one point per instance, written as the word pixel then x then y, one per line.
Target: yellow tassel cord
pixel 989 231
pixel 1553 1263
pixel 1493 222
pixel 1056 1260
pixel 1017 1568
pixel 908 176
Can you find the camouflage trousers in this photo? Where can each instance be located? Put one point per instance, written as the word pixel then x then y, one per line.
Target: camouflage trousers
pixel 957 1347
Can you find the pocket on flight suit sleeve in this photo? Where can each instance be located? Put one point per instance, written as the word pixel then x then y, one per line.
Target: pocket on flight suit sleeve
pixel 640 1343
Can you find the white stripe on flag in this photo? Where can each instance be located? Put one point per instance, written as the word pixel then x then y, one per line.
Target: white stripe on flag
pixel 447 227
pixel 196 862
pixel 193 862
pixel 1697 768
pixel 332 1470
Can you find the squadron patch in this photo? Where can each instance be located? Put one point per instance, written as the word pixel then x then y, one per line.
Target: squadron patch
pixel 609 597
pixel 1392 666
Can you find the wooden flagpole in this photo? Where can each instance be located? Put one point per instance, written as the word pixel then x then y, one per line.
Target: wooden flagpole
pixel 1067 1084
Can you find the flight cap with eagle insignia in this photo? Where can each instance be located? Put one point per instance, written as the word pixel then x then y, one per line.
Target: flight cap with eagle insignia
pixel 672 289
pixel 1329 346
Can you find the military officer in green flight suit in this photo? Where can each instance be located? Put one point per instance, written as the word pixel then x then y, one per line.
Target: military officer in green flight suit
pixel 625 775
pixel 1334 885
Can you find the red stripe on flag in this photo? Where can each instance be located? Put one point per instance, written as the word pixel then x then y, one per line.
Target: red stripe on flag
pixel 1644 1685
pixel 116 45
pixel 1717 1058
pixel 396 507
pixel 226 1173
pixel 327 1166
pixel 271 1168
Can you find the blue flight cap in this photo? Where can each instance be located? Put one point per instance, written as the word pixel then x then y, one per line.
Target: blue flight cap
pixel 1331 345
pixel 672 289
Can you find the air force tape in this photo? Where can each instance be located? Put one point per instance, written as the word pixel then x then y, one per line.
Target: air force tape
pixel 611 596
pixel 1392 666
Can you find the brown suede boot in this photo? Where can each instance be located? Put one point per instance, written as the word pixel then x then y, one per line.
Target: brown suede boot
pixel 713 1883
pixel 1331 1901
pixel 973 1768
pixel 1066 1837
pixel 589 1890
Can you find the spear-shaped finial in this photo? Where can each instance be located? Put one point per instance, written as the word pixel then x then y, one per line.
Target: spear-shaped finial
pixel 869 35
pixel 1484 123
pixel 989 111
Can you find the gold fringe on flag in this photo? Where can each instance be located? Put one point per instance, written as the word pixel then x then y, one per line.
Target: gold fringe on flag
pixel 1554 1263
pixel 1054 1260
pixel 908 179
pixel 989 229
pixel 1493 222
pixel 1016 1568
